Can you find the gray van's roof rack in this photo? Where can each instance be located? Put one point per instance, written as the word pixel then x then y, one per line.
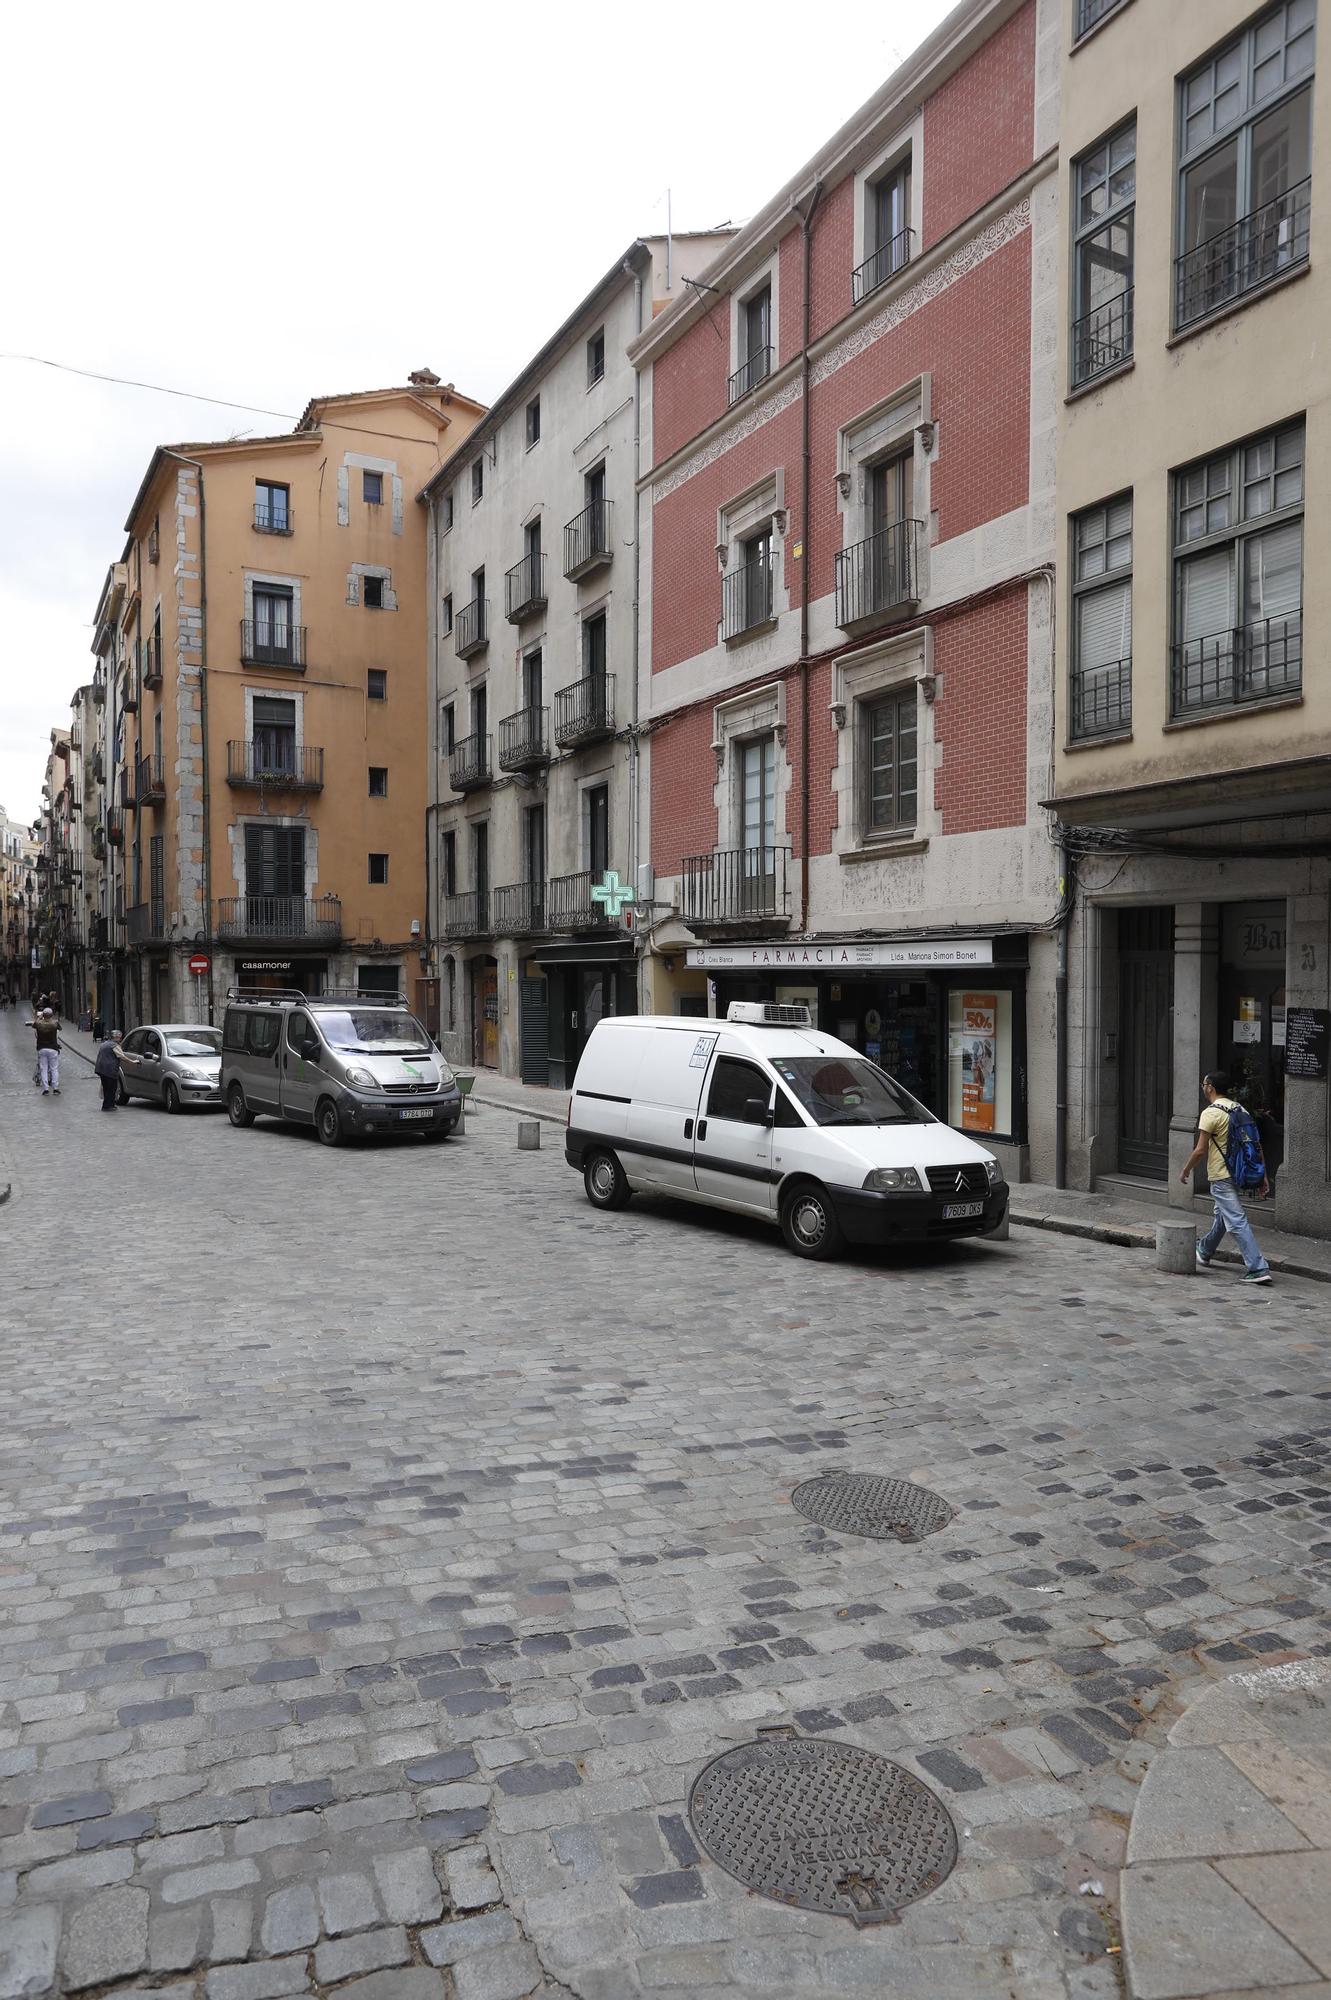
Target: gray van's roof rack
pixel 353 996
pixel 337 996
pixel 267 996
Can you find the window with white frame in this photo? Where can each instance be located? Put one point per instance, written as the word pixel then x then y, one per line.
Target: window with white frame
pixel 746 591
pixel 756 353
pixel 888 232
pixel 1105 190
pixel 1100 688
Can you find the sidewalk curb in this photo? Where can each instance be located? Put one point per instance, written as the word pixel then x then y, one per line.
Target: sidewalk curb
pixel 518 1110
pixel 1126 1237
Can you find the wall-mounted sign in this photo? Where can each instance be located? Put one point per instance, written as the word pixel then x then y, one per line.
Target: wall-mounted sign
pixel 1253 934
pixel 852 956
pixel 1307 1036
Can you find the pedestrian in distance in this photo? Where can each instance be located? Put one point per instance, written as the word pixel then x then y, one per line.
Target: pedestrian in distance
pixel 1228 1138
pixel 107 1067
pixel 47 1030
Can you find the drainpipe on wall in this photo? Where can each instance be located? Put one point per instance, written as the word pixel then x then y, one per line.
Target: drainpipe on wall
pixel 203 721
pixel 635 846
pixel 805 213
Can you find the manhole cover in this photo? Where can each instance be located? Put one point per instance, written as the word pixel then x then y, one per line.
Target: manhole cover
pixel 857 1503
pixel 822 1825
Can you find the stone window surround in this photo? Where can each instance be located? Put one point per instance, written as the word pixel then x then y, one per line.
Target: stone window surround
pixel 275 694
pixel 761 506
pixel 857 678
pixel 253 578
pixel 236 841
pixel 906 143
pixel 881 431
pixel 362 461
pixel 766 273
pixel 592 782
pixel 381 570
pixel 759 712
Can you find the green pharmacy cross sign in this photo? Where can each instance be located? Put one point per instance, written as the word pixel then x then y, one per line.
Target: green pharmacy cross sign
pixel 612 893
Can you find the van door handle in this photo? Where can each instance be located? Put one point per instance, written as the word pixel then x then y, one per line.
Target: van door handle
pixel 702 1128
pixel 688 1128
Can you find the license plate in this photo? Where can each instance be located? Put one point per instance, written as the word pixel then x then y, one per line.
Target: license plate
pixel 426 1113
pixel 958 1211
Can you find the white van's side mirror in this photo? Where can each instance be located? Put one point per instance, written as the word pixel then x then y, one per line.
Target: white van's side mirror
pixel 757 1111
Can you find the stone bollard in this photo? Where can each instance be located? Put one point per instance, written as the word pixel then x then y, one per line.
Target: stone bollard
pixel 1176 1247
pixel 529 1135
pixel 999 1233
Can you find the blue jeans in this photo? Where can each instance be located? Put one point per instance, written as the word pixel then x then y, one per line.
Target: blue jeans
pixel 1230 1215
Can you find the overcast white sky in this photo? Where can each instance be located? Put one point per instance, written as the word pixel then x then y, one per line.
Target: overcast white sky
pixel 267 202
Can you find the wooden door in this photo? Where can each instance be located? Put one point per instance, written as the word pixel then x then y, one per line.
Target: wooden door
pixel 485 1022
pixel 1146 1040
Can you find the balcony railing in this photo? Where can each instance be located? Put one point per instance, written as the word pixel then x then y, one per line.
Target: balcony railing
pixel 265 643
pixel 129 691
pixel 877 575
pixel 746 598
pixel 524 588
pixel 154 544
pixel 467 915
pixel 129 792
pixel 280 766
pixel 270 519
pixel 587 539
pixel 152 661
pixel 1101 700
pixel 524 739
pixel 99 843
pixel 570 907
pixel 519 909
pixel 585 712
pixel 150 787
pixel 145 923
pixel 99 933
pixel 469 763
pixel 1253 250
pixel 749 374
pixel 99 691
pixel 1089 12
pixel 280 919
pixel 1102 338
pixel 115 827
pixel 737 885
pixel 471 628
pixel 886 261
pixel 1258 662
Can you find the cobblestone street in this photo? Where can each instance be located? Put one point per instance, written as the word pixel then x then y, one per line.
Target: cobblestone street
pixel 387 1542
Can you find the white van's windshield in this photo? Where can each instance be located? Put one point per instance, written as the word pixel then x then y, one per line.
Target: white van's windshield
pixel 843 1090
pixel 374 1032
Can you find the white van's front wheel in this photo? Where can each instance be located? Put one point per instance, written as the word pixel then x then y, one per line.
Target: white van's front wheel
pixel 809 1224
pixel 603 1178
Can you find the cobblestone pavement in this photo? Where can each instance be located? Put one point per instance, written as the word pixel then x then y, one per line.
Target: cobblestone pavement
pixel 387 1541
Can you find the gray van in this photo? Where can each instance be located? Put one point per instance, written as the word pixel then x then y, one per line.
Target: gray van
pixel 346 1063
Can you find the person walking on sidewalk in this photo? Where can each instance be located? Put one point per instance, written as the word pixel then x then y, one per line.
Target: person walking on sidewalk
pixel 47 1030
pixel 1216 1140
pixel 107 1067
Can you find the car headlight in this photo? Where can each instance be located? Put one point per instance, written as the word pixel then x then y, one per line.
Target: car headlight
pixel 995 1173
pixel 893 1180
pixel 362 1079
pixel 445 1076
pixel 197 1076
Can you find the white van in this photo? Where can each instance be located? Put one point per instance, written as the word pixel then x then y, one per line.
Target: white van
pixel 763 1114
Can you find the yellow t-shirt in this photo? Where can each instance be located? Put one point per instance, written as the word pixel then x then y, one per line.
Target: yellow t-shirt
pixel 1214 1121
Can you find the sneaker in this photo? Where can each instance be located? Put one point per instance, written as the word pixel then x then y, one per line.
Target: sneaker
pixel 1203 1263
pixel 1256 1278
pixel 57 1090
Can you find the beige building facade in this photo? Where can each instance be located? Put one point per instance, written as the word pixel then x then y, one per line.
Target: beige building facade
pixel 1192 761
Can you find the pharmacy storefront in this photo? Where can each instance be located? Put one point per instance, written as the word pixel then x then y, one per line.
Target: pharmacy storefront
pixel 946 1017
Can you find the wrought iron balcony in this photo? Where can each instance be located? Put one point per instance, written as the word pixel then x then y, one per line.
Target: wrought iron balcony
pixel 1258 662
pixel 99 843
pixel 115 827
pixel 469 763
pixel 265 643
pixel 587 541
pixel 129 792
pixel 154 544
pixel 152 660
pixel 749 374
pixel 886 261
pixel 524 740
pixel 1102 338
pixel 746 598
pixel 99 690
pixel 280 919
pixel 150 785
pixel 524 588
pixel 272 518
pixel 1252 251
pixel 279 766
pixel 145 923
pixel 879 574
pixel 99 933
pixel 467 915
pixel 1101 700
pixel 735 886
pixel 519 909
pixel 585 712
pixel 98 767
pixel 569 905
pixel 129 691
pixel 471 628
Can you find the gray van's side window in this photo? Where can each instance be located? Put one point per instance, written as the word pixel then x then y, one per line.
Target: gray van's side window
pixel 298 1028
pixel 263 1034
pixel 733 1083
pixel 233 1030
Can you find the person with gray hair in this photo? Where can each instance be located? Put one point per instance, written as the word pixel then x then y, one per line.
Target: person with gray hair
pixel 107 1067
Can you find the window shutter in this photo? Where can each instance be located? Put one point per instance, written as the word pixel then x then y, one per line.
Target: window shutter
pixel 1274 580
pixel 1104 627
pixel 1206 608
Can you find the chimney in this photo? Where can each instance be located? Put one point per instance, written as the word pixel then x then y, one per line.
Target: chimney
pixel 423 378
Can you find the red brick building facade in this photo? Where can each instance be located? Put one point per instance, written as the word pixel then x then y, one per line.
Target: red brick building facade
pixel 845 695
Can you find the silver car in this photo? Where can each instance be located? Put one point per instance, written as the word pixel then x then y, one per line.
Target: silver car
pixel 175 1062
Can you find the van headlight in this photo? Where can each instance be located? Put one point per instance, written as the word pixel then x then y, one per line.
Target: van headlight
pixel 893 1180
pixel 362 1079
pixel 445 1076
pixel 995 1173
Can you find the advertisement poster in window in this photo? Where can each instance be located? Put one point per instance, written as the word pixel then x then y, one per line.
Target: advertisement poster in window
pixel 979 1060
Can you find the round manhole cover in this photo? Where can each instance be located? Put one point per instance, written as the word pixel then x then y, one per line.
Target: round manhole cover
pixel 823 1825
pixel 858 1503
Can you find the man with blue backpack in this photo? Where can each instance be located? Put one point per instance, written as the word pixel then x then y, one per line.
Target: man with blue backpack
pixel 1227 1135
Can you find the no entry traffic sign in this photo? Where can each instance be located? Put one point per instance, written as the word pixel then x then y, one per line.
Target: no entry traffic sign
pixel 200 962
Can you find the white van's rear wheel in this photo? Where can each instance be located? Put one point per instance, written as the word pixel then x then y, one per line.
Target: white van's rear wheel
pixel 808 1222
pixel 603 1178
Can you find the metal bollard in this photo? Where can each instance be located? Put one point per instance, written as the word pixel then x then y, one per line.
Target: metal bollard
pixel 999 1233
pixel 529 1135
pixel 1176 1247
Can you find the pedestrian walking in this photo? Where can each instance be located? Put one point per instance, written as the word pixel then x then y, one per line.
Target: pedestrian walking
pixel 1227 1136
pixel 47 1030
pixel 107 1067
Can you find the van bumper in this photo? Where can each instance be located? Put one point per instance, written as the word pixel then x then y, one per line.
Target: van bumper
pixel 363 1113
pixel 867 1217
